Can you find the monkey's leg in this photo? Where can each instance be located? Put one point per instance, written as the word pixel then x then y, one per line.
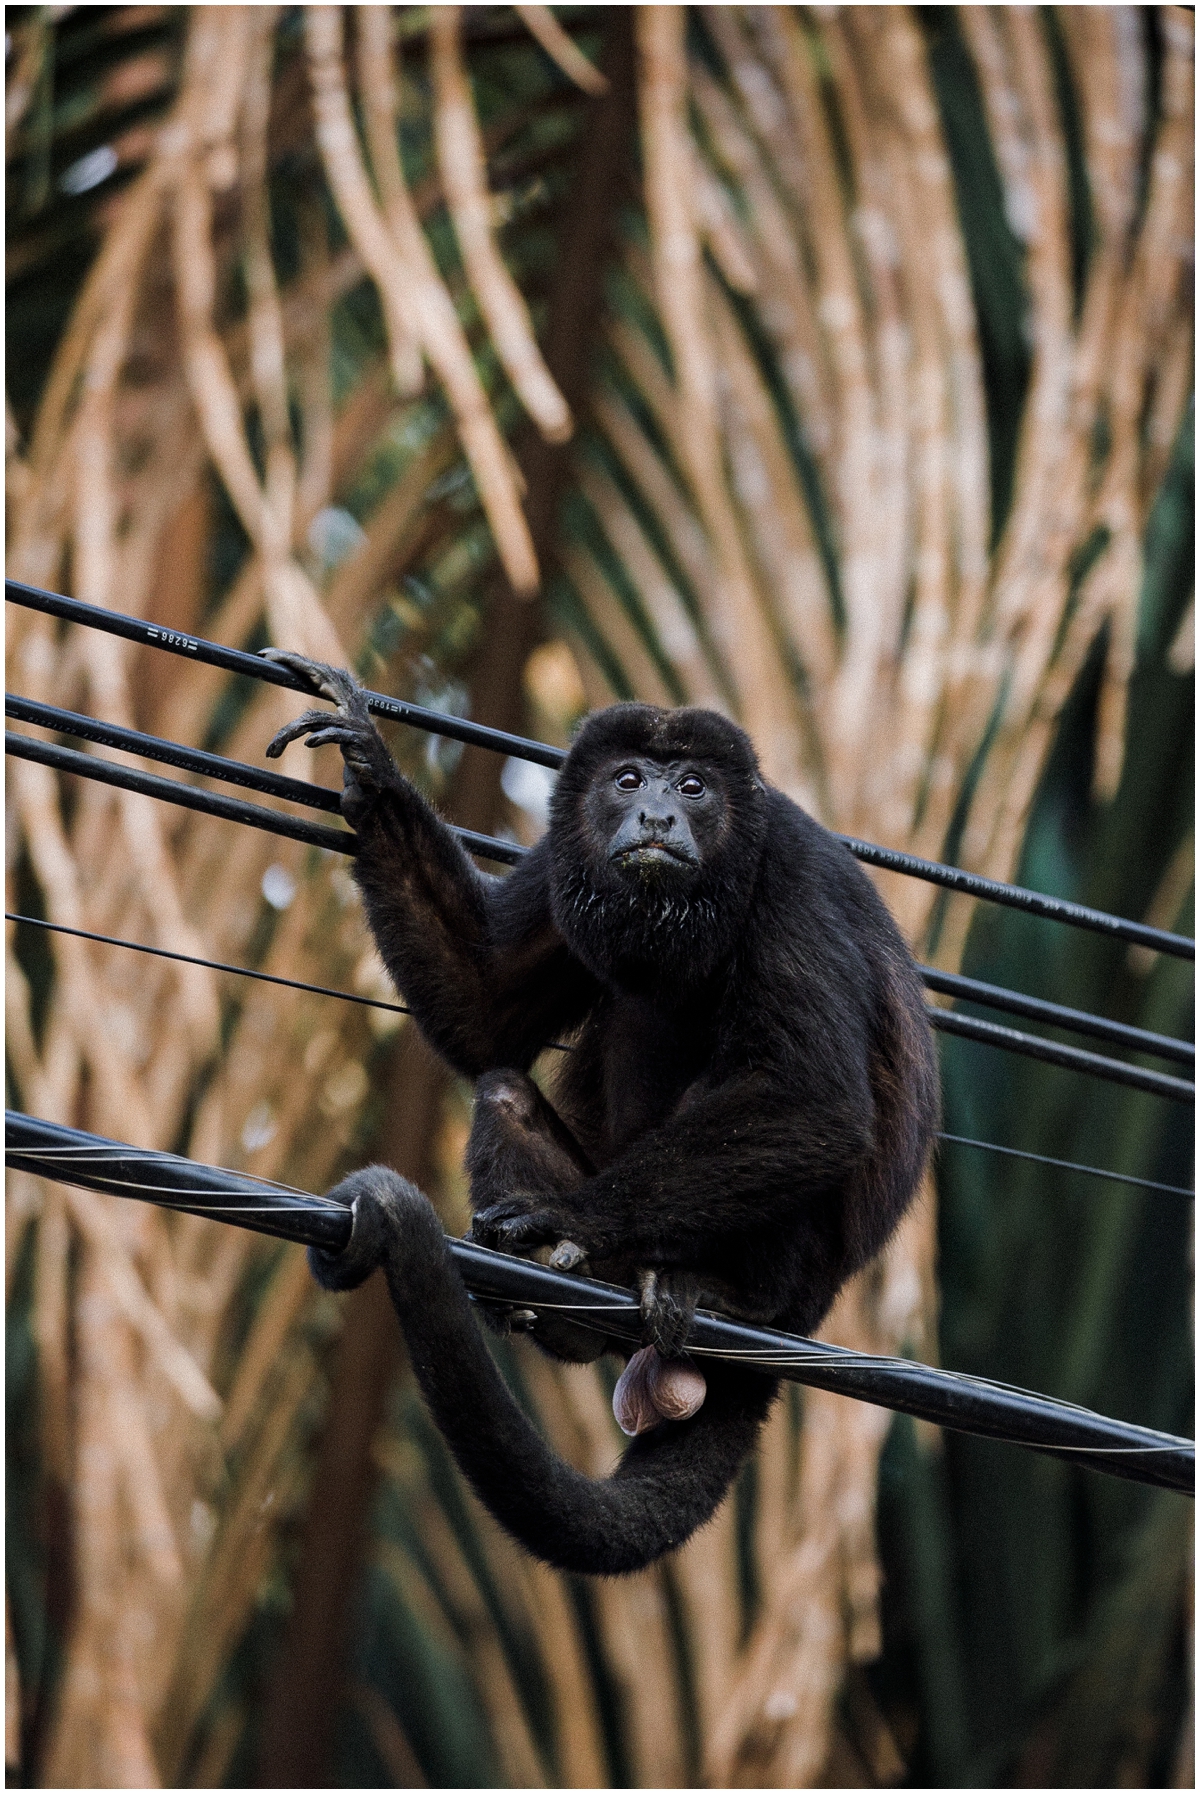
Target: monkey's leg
pixel 520 1142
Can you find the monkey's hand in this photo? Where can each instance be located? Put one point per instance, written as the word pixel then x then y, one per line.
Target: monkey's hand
pixel 369 768
pixel 523 1221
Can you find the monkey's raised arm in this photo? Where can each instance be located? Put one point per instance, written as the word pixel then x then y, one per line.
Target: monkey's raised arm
pixel 481 964
pixel 478 960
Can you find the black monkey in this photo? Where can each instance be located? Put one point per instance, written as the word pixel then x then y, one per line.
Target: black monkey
pixel 742 1120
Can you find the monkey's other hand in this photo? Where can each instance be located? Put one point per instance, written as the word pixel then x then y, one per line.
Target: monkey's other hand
pixel 376 1197
pixel 522 1222
pixel 668 1302
pixel 368 767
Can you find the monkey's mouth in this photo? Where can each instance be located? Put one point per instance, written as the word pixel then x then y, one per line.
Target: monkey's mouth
pixel 653 853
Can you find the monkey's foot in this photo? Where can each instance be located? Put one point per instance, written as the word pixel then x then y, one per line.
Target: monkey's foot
pixel 652 1389
pixel 668 1302
pixel 368 767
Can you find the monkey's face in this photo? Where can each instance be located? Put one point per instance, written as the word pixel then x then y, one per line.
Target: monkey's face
pixel 656 832
pixel 658 821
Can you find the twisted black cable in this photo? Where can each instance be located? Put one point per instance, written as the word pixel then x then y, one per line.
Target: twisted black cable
pixel 236 772
pixel 520 747
pixel 948 1398
pixel 326 990
pixel 235 809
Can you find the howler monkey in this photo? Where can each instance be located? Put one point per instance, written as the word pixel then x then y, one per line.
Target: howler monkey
pixel 741 1121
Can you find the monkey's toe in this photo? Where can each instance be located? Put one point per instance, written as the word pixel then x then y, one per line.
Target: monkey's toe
pixel 567 1256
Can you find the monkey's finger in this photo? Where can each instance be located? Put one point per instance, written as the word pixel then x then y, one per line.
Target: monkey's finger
pixel 327 733
pixel 311 719
pixel 668 1305
pixel 331 682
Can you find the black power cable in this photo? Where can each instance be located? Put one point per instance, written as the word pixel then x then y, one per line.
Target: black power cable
pixel 1055 1015
pixel 253 666
pixel 233 809
pixel 234 660
pixel 172 753
pixel 326 990
pixel 235 772
pixel 190 797
pixel 948 1398
pixel 212 803
pixel 970 1027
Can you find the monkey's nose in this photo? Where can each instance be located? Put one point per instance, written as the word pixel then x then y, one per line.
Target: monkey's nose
pixel 655 822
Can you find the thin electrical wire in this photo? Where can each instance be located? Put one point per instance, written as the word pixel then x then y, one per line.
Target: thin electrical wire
pixel 212 965
pixel 234 660
pixel 325 990
pixel 950 1398
pixel 1038 1158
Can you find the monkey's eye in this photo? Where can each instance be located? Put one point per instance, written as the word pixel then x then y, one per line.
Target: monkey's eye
pixel 691 785
pixel 628 779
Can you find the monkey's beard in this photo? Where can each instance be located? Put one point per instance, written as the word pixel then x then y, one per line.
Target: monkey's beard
pixel 642 927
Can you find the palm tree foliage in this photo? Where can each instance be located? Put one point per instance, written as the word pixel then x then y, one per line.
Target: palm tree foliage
pixel 874 329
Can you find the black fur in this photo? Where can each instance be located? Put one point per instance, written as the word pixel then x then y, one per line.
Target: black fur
pixel 743 1119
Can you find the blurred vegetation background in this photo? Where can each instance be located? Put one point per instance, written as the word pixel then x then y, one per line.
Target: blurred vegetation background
pixel 830 366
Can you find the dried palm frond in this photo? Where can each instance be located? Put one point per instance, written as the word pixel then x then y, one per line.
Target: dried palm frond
pixel 258 424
